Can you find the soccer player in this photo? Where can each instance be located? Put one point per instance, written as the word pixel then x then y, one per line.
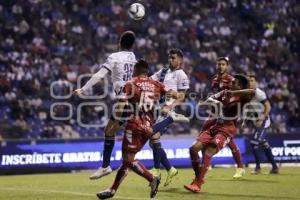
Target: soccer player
pixel 120 65
pixel 142 93
pixel 212 140
pixel 260 123
pixel 220 82
pixel 176 79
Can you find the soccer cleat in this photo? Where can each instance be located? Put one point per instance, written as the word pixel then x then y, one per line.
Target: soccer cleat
pixel 256 171
pixel 101 172
pixel 154 186
pixel 106 194
pixel 171 174
pixel 274 171
pixel 179 118
pixel 155 172
pixel 195 186
pixel 239 173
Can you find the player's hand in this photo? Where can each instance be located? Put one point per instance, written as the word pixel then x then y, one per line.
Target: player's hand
pixel 78 91
pixel 259 123
pixel 166 109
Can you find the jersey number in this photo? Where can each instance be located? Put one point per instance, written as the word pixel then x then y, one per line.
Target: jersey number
pixel 127 72
pixel 146 101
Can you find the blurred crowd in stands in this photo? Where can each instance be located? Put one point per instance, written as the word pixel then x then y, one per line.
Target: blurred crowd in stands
pixel 56 41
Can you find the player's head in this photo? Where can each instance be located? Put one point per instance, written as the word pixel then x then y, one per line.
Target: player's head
pixel 252 81
pixel 240 82
pixel 222 65
pixel 140 68
pixel 175 58
pixel 127 40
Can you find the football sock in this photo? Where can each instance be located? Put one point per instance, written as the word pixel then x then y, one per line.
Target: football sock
pixel 205 166
pixel 256 155
pixel 195 162
pixel 164 160
pixel 121 174
pixel 269 155
pixel 141 170
pixel 109 144
pixel 156 146
pixel 160 126
pixel 236 154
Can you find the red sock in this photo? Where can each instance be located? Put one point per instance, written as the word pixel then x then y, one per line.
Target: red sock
pixel 141 170
pixel 236 153
pixel 195 162
pixel 121 174
pixel 204 168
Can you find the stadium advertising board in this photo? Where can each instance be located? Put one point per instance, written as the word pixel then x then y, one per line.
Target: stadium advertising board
pixel 61 156
pixel 87 154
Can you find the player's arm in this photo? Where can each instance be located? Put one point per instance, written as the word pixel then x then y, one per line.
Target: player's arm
pixel 213 99
pixel 93 80
pixel 183 86
pixel 97 77
pixel 179 97
pixel 267 109
pixel 245 93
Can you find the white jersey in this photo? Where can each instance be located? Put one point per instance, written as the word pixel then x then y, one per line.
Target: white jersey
pixel 121 66
pixel 260 97
pixel 174 80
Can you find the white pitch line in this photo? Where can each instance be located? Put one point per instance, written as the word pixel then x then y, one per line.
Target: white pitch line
pixel 65 192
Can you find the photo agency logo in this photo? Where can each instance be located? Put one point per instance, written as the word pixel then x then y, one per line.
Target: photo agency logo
pixel 93 110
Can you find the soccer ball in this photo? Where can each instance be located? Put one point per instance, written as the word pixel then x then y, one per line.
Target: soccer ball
pixel 136 11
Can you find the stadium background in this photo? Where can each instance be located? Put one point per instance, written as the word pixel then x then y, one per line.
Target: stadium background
pixel 46 43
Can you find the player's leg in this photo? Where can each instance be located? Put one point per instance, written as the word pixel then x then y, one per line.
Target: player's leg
pixel 162 124
pixel 110 130
pixel 254 142
pixel 120 176
pixel 240 171
pixel 133 144
pixel 268 152
pixel 200 144
pixel 210 148
pixel 160 156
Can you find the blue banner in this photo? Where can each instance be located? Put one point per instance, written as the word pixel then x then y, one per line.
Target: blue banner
pixel 50 156
pixel 88 154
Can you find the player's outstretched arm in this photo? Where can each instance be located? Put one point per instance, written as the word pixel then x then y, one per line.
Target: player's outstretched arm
pixel 93 80
pixel 245 93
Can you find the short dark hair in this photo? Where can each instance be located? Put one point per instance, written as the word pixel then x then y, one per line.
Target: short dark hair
pixel 226 59
pixel 127 40
pixel 176 51
pixel 243 80
pixel 141 67
pixel 252 75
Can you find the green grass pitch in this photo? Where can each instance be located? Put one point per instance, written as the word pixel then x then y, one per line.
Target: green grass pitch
pixel 219 185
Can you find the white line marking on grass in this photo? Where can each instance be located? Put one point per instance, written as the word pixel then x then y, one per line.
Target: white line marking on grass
pixel 65 192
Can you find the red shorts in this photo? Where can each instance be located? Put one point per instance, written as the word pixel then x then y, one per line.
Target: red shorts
pixel 136 135
pixel 133 141
pixel 209 122
pixel 219 135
